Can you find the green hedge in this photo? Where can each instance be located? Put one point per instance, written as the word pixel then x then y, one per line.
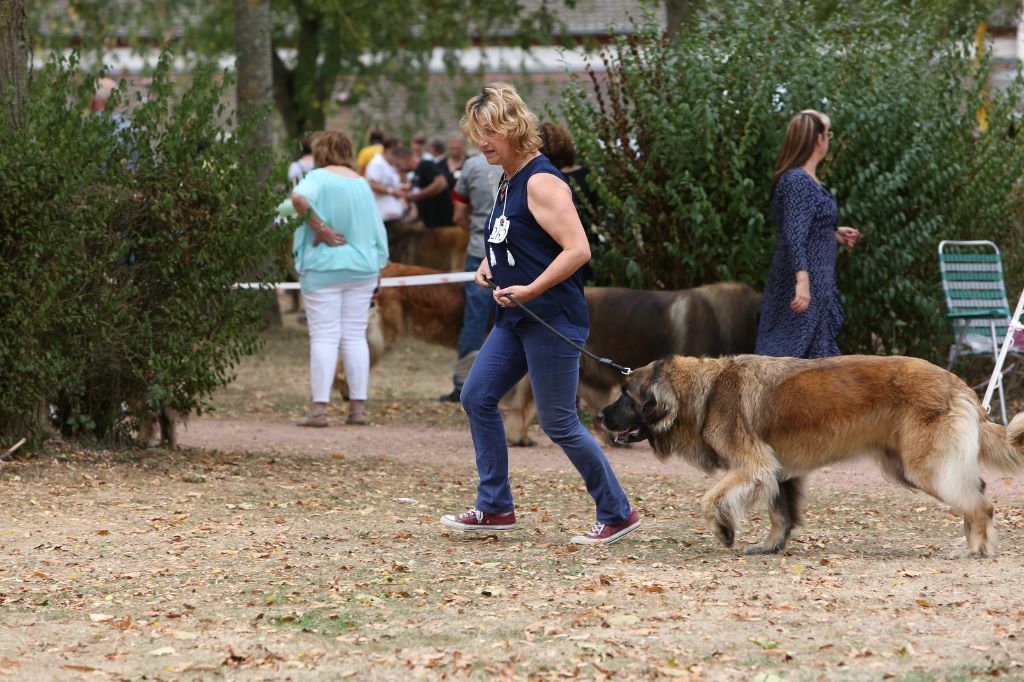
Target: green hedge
pixel 682 140
pixel 118 252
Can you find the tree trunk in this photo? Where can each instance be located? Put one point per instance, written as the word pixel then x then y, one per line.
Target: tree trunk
pixel 677 13
pixel 300 115
pixel 254 64
pixel 254 92
pixel 301 93
pixel 14 60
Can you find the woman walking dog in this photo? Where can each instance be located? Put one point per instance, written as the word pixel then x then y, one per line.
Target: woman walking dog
pixel 535 246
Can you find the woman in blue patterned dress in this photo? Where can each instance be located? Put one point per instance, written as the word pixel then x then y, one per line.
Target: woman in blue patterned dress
pixel 801 312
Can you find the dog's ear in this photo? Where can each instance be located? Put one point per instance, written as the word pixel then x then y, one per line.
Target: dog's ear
pixel 651 412
pixel 660 404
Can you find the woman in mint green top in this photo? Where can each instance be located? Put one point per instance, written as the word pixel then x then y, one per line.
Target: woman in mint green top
pixel 339 252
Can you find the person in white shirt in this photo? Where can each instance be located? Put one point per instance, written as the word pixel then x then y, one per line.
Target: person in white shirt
pixel 386 175
pixel 302 165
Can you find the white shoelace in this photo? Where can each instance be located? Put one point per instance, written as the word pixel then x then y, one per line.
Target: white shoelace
pixel 477 513
pixel 597 529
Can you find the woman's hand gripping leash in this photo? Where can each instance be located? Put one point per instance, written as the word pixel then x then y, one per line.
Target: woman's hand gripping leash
pixel 625 371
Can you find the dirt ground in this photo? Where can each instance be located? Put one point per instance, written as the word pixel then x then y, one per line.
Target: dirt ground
pixel 262 551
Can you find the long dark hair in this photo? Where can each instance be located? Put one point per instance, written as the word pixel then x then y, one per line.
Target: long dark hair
pixel 799 141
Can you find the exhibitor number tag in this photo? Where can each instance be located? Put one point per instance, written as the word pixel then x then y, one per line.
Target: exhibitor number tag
pixel 500 230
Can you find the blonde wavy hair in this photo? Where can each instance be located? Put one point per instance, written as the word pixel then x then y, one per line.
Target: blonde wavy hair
pixel 500 109
pixel 332 148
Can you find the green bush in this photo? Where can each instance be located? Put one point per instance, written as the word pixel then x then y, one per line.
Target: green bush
pixel 682 140
pixel 118 252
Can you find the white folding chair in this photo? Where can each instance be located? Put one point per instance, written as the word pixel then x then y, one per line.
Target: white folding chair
pixel 976 304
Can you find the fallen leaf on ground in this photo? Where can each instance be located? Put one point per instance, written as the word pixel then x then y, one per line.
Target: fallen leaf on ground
pixel 181 634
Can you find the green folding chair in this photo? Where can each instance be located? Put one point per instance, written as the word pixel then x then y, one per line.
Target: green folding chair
pixel 976 304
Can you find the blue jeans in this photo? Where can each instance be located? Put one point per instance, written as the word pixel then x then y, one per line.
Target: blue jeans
pixel 479 303
pixel 554 368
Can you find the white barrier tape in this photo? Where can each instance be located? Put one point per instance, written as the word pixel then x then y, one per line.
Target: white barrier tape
pixel 411 281
pixel 421 280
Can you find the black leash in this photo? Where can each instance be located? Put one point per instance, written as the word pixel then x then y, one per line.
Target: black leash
pixel 626 371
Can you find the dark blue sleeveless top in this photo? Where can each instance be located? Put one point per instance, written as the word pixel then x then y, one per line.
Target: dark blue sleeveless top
pixel 526 251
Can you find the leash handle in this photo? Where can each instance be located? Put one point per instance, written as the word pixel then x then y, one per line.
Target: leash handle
pixel 625 371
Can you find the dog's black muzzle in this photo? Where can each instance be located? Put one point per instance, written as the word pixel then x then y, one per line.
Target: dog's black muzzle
pixel 626 430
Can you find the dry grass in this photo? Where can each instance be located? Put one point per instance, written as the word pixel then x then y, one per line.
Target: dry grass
pixel 193 565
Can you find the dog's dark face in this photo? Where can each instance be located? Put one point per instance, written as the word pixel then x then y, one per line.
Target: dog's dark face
pixel 624 418
pixel 638 413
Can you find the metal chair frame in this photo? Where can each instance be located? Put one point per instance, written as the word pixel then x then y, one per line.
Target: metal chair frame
pixel 976 305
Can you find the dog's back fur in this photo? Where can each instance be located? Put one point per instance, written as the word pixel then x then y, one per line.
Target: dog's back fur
pixel 770 421
pixel 441 248
pixel 432 313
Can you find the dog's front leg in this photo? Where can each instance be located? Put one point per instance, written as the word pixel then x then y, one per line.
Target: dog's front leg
pixel 727 502
pixel 752 475
pixel 724 505
pixel 784 512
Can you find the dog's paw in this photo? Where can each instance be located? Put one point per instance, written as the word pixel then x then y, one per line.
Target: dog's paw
pixel 522 442
pixel 966 553
pixel 726 534
pixel 773 548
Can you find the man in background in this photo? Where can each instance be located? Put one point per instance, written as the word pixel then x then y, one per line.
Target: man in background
pixel 473 201
pixel 432 193
pixel 386 175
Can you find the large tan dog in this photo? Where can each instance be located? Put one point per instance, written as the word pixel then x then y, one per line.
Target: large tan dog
pixel 634 327
pixel 768 422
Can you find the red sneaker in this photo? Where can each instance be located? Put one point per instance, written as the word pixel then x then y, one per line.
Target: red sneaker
pixel 474 519
pixel 606 534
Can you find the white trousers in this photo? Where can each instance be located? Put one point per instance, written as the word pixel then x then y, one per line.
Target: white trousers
pixel 337 318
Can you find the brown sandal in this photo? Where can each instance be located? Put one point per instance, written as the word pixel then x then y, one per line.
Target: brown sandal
pixel 315 420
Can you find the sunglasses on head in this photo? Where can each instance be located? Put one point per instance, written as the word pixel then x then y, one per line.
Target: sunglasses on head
pixel 818 123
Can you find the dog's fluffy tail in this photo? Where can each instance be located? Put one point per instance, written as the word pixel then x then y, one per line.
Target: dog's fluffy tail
pixel 1003 446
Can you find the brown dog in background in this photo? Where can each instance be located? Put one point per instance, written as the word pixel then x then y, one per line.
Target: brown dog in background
pixel 159 427
pixel 634 327
pixel 716 319
pixel 441 248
